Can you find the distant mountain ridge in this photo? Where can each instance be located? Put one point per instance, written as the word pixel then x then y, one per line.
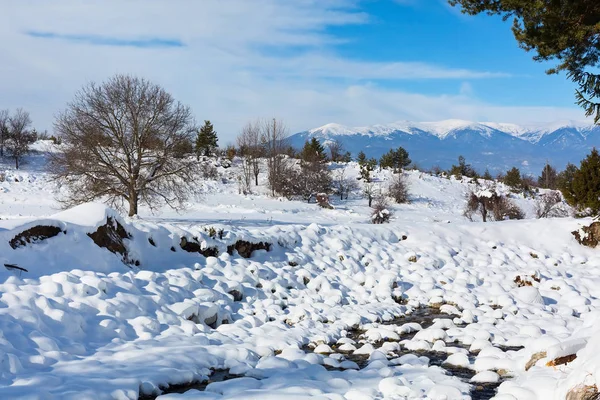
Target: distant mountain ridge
pixel 496 146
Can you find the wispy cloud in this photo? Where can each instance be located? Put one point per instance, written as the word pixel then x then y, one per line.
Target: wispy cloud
pixel 99 40
pixel 234 62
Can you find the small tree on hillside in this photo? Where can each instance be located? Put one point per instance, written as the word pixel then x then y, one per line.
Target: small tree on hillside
pixel 314 177
pixel 361 158
pixel 565 183
pixel 395 159
pixel 206 140
pixel 398 189
pixel 586 183
pixel 488 203
pixel 344 185
pixel 370 191
pixel 462 169
pixel 19 135
pixel 274 141
pixel 121 143
pixel 513 179
pixel 336 150
pixel 250 147
pixel 548 178
pixel 4 117
pixel 487 176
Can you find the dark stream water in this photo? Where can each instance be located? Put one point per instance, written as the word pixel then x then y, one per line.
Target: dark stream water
pixel 423 316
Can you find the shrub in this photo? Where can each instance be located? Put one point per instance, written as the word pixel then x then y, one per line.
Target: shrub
pixel 551 205
pixel 513 179
pixel 488 203
pixel 209 171
pixel 395 159
pixel 398 189
pixel 586 184
pixel 381 211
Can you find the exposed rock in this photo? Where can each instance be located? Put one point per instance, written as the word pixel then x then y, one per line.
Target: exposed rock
pixel 583 392
pixel 588 235
pixel 323 201
pixel 534 359
pixel 34 235
pixel 245 249
pixel 561 360
pixel 194 247
pixel 211 321
pixel 151 241
pixel 237 295
pixel 110 236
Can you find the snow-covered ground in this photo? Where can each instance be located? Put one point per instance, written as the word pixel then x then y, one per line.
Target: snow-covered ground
pixel 81 324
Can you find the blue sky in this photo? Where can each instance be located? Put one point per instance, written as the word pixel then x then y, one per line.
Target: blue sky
pixel 307 62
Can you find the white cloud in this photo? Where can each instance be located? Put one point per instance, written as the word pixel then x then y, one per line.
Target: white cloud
pixel 240 60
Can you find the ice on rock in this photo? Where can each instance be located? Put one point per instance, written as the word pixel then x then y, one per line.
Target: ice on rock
pixel 528 295
pixel 458 360
pixel 323 349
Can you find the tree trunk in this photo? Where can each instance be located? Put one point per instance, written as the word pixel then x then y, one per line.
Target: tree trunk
pixel 17 162
pixel 370 201
pixel 256 179
pixel 484 214
pixel 133 204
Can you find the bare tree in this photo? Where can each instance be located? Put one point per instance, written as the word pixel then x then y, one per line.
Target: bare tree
pixel 3 130
pixel 19 136
pixel 370 190
pixel 343 184
pixel 249 143
pixel 488 202
pixel 122 142
pixel 336 150
pixel 551 205
pixel 398 188
pixel 274 139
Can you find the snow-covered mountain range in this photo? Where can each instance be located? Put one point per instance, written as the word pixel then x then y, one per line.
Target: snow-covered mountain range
pixel 497 146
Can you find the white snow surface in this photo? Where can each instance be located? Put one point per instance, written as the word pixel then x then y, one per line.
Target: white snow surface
pixel 81 324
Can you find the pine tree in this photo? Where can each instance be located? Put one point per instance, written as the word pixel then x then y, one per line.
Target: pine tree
pixel 206 141
pixel 395 159
pixel 547 179
pixel 565 183
pixel 513 179
pixel 313 150
pixel 361 158
pixel 487 176
pixel 586 183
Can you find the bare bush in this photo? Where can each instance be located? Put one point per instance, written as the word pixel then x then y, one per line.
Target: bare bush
pixel 343 184
pixel 19 135
pixel 245 177
pixel 370 191
pixel 274 138
pixel 250 146
pixel 551 205
pixel 398 189
pixel 488 203
pixel 122 143
pixel 381 211
pixel 208 170
pixel 3 130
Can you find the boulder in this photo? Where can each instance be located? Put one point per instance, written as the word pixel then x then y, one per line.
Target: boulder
pixel 110 236
pixel 245 248
pixel 34 235
pixel 588 235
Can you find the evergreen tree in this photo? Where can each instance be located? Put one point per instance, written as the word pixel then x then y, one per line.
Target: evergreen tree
pixel 565 183
pixel 513 179
pixel 561 30
pixel 462 169
pixel 487 176
pixel 548 178
pixel 395 159
pixel 366 168
pixel 206 141
pixel 586 183
pixel 361 158
pixel 313 150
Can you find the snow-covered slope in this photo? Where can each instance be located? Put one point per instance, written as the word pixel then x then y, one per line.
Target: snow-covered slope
pixel 314 317
pixel 496 146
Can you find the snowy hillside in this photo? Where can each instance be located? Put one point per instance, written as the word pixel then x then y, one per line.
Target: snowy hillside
pixel 252 297
pixel 497 146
